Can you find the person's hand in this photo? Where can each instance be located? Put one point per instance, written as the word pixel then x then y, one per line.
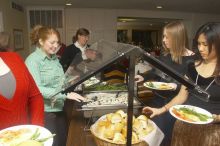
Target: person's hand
pixel 138 78
pixel 152 112
pixel 75 96
pixel 216 118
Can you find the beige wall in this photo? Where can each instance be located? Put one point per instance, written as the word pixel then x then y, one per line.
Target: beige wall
pixel 103 22
pixel 13 19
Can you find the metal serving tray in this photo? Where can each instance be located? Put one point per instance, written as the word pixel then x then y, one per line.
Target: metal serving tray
pixel 99 110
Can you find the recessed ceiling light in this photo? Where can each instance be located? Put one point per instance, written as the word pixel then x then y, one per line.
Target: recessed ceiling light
pixel 68 4
pixel 159 7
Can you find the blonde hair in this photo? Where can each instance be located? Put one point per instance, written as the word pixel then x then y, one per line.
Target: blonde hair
pixel 178 35
pixel 42 32
pixel 4 40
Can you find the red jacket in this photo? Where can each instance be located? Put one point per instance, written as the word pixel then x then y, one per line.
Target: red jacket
pixel 26 106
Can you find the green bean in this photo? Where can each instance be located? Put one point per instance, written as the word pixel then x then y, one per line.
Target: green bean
pixel 46 138
pixel 36 134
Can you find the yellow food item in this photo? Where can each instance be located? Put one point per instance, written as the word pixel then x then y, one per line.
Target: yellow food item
pixel 30 143
pixel 122 113
pixel 109 133
pixel 14 137
pixel 119 138
pixel 142 117
pixel 116 118
pixel 114 128
pixel 104 123
pixel 118 127
pixel 164 86
pixel 135 138
pixel 109 116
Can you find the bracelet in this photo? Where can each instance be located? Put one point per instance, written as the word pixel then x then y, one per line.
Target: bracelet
pixel 166 109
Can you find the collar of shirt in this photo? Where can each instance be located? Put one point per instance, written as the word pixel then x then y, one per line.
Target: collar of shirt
pixel 82 49
pixel 43 55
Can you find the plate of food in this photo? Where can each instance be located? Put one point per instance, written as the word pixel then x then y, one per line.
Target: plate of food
pixel 191 114
pixel 159 85
pixel 24 135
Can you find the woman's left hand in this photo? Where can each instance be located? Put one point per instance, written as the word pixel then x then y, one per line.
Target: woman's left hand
pixel 75 96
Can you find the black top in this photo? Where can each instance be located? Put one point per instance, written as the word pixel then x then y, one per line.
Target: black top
pixel 214 90
pixel 70 52
pixel 155 74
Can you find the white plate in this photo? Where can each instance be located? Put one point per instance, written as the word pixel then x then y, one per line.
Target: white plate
pixel 43 134
pixel 158 85
pixel 197 109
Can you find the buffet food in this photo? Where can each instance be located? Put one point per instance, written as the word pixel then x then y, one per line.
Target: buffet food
pixel 91 81
pixel 158 85
pixel 106 99
pixel 113 128
pixel 106 87
pixel 14 137
pixel 26 135
pixel 191 114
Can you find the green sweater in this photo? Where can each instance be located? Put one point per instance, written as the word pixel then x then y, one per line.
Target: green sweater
pixel 47 73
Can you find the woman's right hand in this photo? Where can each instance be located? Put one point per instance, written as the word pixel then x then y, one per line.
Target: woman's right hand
pixel 152 112
pixel 75 96
pixel 139 78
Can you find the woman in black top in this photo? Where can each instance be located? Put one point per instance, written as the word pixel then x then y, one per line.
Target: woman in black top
pixel 78 47
pixel 176 55
pixel 204 72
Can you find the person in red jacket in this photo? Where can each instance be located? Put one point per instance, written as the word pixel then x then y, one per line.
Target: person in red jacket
pixel 20 100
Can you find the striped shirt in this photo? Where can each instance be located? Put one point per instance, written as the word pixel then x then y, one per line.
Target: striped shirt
pixel 47 73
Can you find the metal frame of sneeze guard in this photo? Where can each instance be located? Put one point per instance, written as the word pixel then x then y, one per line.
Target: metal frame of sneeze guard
pixel 132 54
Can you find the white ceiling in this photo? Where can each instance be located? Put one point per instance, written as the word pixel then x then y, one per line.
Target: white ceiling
pixel 198 6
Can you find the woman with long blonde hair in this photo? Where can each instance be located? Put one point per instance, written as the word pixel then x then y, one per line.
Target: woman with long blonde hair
pixel 176 54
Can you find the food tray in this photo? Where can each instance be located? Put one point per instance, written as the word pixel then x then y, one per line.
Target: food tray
pixel 99 110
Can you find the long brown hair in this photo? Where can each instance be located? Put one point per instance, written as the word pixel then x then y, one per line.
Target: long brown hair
pixel 42 32
pixel 80 31
pixel 177 32
pixel 211 31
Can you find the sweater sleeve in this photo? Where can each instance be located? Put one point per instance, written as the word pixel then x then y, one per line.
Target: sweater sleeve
pixel 35 100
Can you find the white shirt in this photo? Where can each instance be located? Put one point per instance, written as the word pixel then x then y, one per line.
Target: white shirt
pixel 4 68
pixel 82 49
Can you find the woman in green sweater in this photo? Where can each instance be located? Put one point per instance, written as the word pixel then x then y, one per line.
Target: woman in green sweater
pixel 47 72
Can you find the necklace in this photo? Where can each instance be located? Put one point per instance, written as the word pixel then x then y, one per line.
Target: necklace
pixel 209 83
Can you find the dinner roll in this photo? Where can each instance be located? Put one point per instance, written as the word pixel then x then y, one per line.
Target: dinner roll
pixel 142 117
pixel 118 127
pixel 116 118
pixel 135 138
pixel 119 138
pixel 122 113
pixel 109 133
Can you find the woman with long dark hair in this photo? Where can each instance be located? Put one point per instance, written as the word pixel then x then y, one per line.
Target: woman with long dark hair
pixel 205 73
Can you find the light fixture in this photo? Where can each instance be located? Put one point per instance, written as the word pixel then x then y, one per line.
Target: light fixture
pixel 68 4
pixel 159 7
